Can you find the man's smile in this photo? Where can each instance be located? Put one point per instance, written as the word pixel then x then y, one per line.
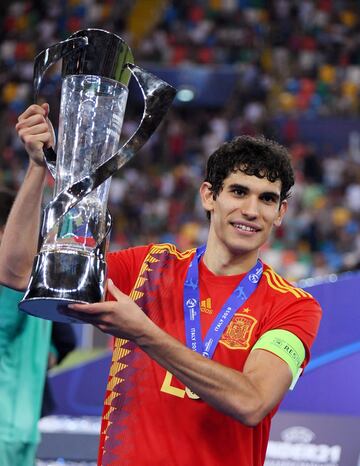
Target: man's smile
pixel 245 226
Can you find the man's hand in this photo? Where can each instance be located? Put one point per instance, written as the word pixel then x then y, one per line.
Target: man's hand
pixel 122 318
pixel 36 132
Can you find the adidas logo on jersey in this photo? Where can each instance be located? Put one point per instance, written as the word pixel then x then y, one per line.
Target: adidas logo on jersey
pixel 205 306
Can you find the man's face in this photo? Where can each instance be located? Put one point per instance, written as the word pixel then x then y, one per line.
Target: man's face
pixel 244 212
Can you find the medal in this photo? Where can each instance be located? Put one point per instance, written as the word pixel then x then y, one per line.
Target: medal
pixel 191 394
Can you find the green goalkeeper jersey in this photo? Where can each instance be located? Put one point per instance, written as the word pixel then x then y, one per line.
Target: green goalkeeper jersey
pixel 24 349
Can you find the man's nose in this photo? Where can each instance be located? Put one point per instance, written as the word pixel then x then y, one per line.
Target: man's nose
pixel 250 207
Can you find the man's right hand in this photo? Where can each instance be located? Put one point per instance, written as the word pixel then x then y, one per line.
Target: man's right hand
pixel 36 131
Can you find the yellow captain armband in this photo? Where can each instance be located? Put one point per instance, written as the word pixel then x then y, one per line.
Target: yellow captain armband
pixel 287 346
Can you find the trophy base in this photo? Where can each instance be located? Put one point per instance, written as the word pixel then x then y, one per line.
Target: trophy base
pixel 49 308
pixel 61 278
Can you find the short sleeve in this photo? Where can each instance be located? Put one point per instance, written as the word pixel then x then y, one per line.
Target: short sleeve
pixel 123 267
pixel 300 317
pixel 11 319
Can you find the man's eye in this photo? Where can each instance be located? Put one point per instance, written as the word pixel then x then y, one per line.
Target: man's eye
pixel 269 199
pixel 238 192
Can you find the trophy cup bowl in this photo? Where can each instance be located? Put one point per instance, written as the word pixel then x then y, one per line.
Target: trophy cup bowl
pixel 70 266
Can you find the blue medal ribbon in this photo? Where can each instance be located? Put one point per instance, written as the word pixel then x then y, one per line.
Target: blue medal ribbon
pixel 237 299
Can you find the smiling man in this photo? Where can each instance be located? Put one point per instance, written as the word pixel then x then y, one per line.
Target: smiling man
pixel 208 341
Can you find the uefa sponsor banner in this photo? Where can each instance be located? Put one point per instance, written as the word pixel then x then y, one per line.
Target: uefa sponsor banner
pixel 298 439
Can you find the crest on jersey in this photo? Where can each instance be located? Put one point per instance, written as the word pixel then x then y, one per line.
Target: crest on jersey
pixel 238 333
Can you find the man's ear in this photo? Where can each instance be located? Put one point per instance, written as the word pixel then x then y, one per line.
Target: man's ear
pixel 206 196
pixel 281 213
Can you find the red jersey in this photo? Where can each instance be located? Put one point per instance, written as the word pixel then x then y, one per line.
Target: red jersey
pixel 148 419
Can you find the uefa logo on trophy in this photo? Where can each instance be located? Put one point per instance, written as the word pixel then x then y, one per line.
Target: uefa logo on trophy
pixel 70 266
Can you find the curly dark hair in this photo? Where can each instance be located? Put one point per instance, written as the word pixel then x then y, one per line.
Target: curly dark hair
pixel 253 156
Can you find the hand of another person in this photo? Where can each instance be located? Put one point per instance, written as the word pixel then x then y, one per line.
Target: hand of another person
pixel 122 318
pixel 36 131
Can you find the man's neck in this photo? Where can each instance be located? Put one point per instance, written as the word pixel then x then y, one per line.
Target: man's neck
pixel 220 261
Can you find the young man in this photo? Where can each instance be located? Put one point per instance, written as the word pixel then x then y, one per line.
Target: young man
pixel 207 341
pixel 24 349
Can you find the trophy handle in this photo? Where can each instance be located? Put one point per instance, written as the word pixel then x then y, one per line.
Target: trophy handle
pixel 49 56
pixel 43 61
pixel 158 96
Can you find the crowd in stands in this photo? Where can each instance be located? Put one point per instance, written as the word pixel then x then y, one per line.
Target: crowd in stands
pixel 292 59
pixel 295 55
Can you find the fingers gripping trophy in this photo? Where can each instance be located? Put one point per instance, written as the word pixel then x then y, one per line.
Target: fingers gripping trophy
pixel 70 266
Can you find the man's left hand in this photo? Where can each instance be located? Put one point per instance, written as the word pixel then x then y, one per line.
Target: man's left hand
pixel 122 318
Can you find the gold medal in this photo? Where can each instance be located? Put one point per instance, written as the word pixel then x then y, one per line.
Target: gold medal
pixel 191 394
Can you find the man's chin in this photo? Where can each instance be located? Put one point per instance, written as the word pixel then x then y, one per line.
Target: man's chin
pixel 242 250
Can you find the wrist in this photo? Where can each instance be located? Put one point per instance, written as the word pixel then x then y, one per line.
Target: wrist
pixel 38 167
pixel 147 334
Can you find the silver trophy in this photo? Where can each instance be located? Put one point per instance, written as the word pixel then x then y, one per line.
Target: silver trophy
pixel 97 65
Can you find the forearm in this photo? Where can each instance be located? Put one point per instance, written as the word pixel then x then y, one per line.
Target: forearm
pixel 19 242
pixel 226 389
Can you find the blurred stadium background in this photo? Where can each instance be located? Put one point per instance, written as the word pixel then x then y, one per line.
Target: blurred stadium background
pixel 286 69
